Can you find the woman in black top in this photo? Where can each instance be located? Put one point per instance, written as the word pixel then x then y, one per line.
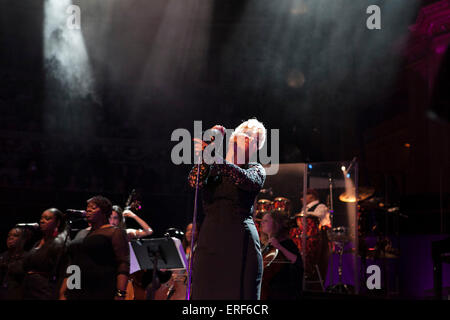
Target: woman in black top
pixel 227 260
pixel 283 265
pixel 44 264
pixel 103 257
pixel 11 264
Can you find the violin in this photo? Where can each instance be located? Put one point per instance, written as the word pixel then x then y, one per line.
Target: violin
pixel 273 261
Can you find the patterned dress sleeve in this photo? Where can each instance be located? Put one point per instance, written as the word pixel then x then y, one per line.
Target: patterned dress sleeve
pixel 192 179
pixel 251 179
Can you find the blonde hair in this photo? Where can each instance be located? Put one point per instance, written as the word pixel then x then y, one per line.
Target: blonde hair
pixel 254 129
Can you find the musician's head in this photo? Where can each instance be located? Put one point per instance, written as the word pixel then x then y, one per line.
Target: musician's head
pixel 247 139
pixel 275 224
pixel 311 195
pixel 188 233
pixel 116 218
pixel 52 222
pixel 17 239
pixel 98 209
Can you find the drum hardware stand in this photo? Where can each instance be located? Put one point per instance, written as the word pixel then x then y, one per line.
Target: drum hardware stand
pixel 340 287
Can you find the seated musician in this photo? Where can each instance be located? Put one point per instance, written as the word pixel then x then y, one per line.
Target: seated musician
pixel 117 219
pixel 317 244
pixel 283 267
pixel 175 287
pixel 317 209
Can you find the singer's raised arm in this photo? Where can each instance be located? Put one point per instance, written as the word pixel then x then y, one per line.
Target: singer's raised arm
pixel 251 179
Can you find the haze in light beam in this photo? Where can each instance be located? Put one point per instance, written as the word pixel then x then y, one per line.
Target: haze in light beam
pixel 65 54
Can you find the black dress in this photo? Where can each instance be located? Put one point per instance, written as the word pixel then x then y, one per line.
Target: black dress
pixel 44 269
pixel 101 254
pixel 11 276
pixel 288 282
pixel 227 261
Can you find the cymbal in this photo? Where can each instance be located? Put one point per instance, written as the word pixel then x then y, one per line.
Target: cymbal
pixel 363 193
pixel 281 199
pixel 301 215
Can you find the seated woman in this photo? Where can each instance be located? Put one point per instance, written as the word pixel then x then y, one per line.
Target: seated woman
pixel 283 265
pixel 175 288
pixel 11 264
pixel 117 219
pixel 102 256
pixel 44 264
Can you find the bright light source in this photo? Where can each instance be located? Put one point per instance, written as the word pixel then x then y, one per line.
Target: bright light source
pixel 65 52
pixel 343 168
pixel 407 145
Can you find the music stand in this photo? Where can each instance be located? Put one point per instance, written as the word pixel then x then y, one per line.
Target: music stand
pixel 160 253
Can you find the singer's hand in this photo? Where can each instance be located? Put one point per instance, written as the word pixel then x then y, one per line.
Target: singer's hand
pixel 199 145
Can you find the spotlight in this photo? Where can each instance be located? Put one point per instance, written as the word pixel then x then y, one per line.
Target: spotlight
pixel 343 168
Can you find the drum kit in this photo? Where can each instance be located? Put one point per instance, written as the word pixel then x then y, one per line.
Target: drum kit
pixel 338 236
pixel 279 204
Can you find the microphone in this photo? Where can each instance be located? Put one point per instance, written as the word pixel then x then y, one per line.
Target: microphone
pixel 73 212
pixel 216 131
pixel 28 225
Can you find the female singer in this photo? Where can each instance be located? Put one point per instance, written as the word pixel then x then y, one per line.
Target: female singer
pixel 11 264
pixel 282 279
pixel 228 262
pixel 102 255
pixel 117 219
pixel 44 264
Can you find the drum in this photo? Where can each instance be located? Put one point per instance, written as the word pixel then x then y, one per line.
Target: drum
pixel 339 234
pixel 312 225
pixel 282 204
pixel 311 253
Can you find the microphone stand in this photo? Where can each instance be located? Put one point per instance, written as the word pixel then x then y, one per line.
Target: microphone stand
pixel 194 225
